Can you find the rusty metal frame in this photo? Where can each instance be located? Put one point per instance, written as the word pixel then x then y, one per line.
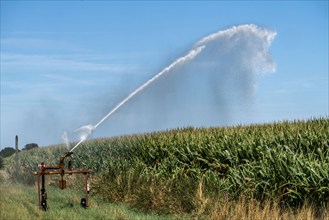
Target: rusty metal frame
pixel 58 170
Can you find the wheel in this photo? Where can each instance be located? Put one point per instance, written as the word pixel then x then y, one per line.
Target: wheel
pixel 44 204
pixel 83 203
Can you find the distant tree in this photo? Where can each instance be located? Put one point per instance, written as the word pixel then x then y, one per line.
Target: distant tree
pixel 7 151
pixel 1 162
pixel 30 146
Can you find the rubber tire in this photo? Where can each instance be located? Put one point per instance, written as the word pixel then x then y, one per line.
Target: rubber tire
pixel 44 204
pixel 83 203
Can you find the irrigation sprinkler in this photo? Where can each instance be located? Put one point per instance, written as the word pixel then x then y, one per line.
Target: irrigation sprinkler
pixel 59 170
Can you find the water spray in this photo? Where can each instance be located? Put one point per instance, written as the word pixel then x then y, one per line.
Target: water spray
pixel 88 129
pixel 84 132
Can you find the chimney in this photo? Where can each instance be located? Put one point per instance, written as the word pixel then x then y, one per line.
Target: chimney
pixel 16 156
pixel 16 143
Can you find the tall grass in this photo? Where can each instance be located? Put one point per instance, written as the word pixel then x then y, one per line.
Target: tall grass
pixel 21 202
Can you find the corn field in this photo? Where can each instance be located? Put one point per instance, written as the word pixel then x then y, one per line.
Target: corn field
pixel 183 170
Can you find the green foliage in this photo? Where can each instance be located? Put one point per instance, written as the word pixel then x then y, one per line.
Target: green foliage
pixel 1 162
pixel 30 146
pixel 7 151
pixel 287 161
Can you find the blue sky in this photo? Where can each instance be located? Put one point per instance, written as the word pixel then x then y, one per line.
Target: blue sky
pixel 67 64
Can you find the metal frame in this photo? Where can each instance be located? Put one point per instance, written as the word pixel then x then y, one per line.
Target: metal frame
pixel 42 195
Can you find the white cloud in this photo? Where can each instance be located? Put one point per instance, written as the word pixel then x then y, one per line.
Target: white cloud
pixel 58 62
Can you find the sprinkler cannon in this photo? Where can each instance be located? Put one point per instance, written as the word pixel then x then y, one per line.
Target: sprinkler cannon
pixel 59 170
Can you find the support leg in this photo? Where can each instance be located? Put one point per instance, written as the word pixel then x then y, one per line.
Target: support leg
pixel 87 189
pixel 43 193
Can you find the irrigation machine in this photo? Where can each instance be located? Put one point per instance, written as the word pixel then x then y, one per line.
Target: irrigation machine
pixel 59 170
